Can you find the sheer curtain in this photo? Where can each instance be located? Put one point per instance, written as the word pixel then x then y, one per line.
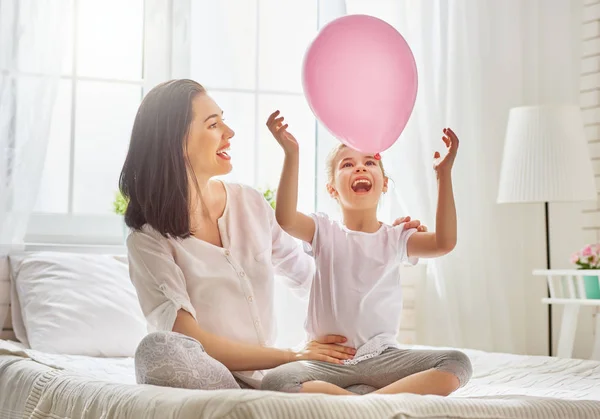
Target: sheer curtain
pixel 290 310
pixel 476 59
pixel 31 50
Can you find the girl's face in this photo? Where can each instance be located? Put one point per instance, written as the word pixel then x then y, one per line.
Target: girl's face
pixel 358 180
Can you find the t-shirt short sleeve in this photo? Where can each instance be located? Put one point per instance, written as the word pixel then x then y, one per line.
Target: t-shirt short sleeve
pixel 323 225
pixel 403 236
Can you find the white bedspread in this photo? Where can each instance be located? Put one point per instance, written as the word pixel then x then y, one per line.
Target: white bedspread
pixel 39 385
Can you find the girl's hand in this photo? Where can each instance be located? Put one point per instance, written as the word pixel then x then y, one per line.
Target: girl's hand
pixel 325 349
pixel 279 131
pixel 443 165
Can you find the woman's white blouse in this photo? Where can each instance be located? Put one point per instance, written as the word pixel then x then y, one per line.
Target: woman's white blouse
pixel 228 290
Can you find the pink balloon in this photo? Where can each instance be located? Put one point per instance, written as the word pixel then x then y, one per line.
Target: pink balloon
pixel 360 79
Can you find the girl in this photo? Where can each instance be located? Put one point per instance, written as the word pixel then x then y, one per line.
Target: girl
pixel 356 291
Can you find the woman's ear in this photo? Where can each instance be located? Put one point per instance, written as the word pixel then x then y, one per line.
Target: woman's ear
pixel 385 184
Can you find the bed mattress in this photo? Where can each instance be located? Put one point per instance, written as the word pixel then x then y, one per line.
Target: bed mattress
pixel 40 385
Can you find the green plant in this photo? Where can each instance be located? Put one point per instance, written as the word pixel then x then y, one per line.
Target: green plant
pixel 269 195
pixel 120 203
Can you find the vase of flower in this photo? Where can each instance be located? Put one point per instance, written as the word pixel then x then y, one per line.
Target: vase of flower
pixel 589 258
pixel 119 207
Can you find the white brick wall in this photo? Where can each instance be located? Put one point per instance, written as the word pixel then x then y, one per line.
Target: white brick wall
pixel 411 276
pixel 589 100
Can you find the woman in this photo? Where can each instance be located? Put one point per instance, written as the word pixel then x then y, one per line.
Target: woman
pixel 203 253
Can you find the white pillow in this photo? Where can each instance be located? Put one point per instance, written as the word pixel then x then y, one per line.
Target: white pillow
pixel 78 304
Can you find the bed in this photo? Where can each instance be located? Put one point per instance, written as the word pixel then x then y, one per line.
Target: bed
pixel 40 385
pixel 81 365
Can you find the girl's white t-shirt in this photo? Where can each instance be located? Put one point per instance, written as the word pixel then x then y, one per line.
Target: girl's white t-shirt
pixel 356 291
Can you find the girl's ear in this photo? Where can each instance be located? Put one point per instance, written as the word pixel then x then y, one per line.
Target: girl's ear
pixel 331 190
pixel 385 184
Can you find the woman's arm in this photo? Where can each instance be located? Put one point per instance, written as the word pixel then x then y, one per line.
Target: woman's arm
pixel 237 356
pixel 234 355
pixel 286 211
pixel 443 240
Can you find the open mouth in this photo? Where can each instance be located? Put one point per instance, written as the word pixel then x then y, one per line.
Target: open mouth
pixel 222 153
pixel 361 185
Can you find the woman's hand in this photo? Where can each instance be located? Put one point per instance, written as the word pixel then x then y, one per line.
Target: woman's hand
pixel 325 349
pixel 408 224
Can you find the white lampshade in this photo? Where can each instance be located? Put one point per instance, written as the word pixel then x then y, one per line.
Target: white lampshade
pixel 546 156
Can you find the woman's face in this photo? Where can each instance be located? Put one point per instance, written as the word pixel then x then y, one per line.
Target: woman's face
pixel 208 139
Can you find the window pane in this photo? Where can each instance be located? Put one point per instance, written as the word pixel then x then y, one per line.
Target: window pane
pixel 270 155
pixel 53 196
pixel 104 117
pixel 239 110
pixel 286 29
pixel 223 41
pixel 110 38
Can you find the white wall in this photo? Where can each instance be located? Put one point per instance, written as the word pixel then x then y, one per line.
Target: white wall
pixel 574 225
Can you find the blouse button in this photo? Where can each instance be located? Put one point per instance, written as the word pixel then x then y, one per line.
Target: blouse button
pixel 227 253
pixel 242 274
pixel 250 299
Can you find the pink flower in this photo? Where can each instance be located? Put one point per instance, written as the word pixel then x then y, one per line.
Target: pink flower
pixel 574 258
pixel 587 251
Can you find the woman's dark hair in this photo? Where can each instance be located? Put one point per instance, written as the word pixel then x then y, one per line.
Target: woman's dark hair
pixel 155 177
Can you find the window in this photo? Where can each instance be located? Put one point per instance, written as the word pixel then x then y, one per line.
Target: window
pixel 97 99
pixel 98 95
pixel 247 53
pixel 116 52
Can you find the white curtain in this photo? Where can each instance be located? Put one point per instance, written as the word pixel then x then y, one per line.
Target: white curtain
pixel 290 310
pixel 31 47
pixel 476 59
